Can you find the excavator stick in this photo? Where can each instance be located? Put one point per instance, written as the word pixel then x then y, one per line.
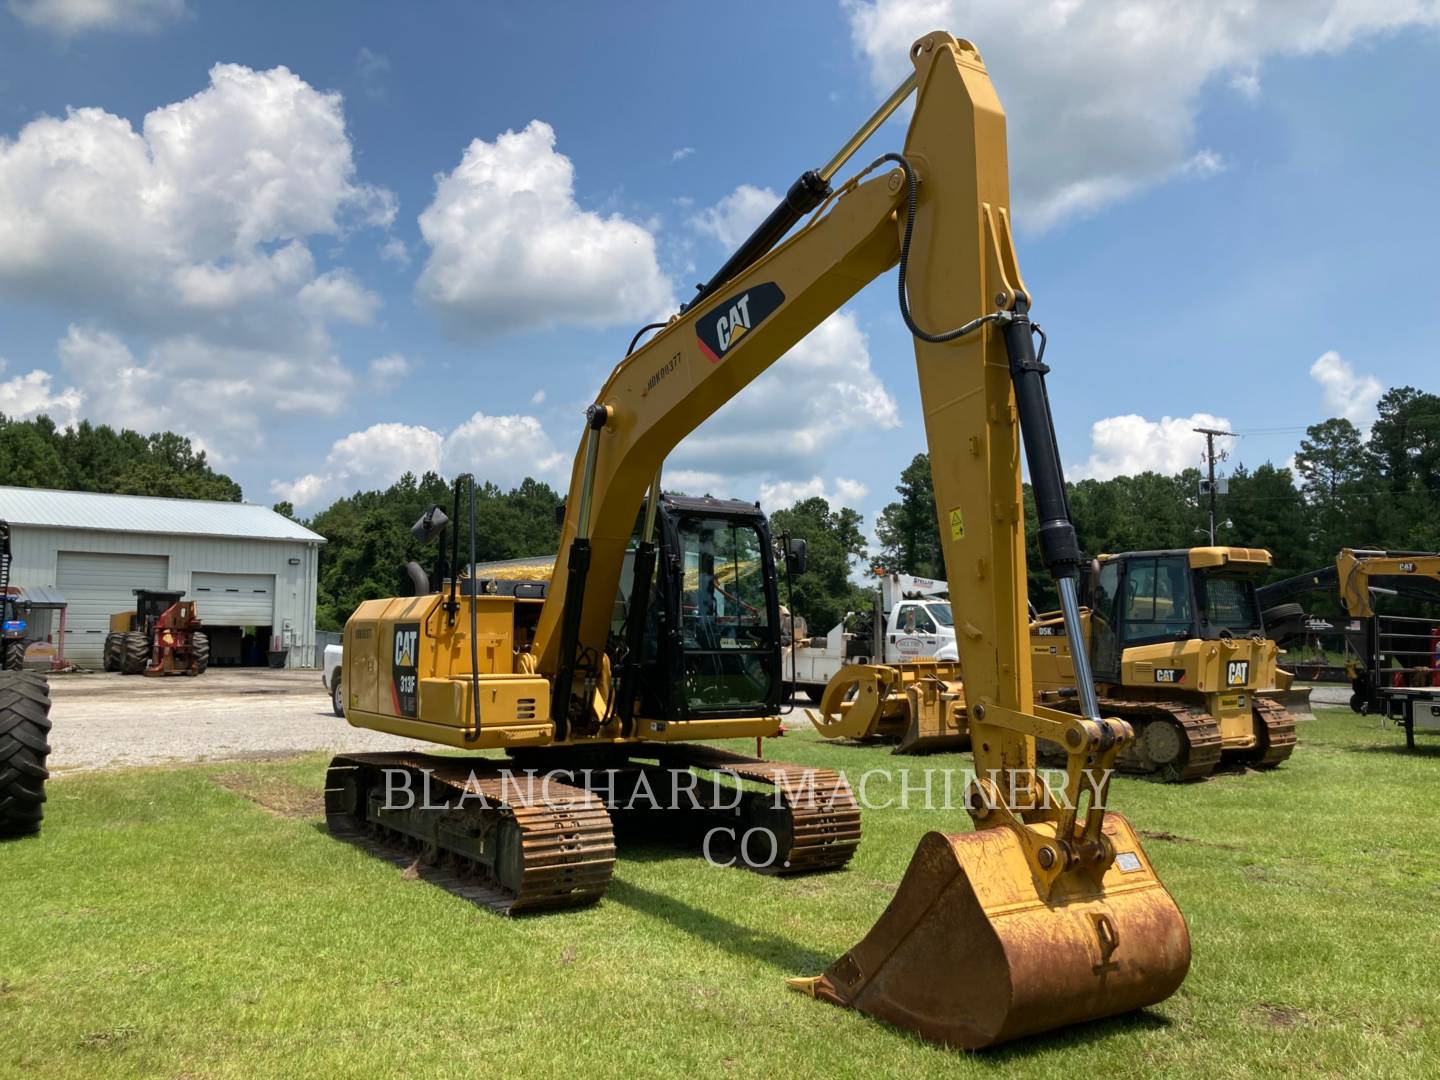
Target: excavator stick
pixel 969 955
pixel 1049 913
pixel 919 705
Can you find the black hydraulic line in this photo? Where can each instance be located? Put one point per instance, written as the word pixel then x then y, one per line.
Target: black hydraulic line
pixel 643 574
pixel 452 606
pixel 641 333
pixel 1059 547
pixel 577 569
pixel 804 195
pixel 474 627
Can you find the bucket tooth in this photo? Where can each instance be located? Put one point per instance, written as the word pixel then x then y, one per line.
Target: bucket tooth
pixel 969 953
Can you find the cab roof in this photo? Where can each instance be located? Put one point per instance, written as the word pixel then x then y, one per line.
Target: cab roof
pixel 1206 558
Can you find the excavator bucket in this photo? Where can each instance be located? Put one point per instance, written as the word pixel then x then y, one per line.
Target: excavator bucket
pixel 970 954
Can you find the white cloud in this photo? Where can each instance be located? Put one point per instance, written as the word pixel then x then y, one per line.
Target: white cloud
pixel 538 398
pixel 373 69
pixel 30 395
pixel 511 249
pixel 1130 444
pixel 394 250
pixel 391 367
pixel 68 17
pixel 196 387
pixel 1350 395
pixel 786 426
pixel 502 449
pixel 682 153
pixel 181 249
pixel 782 493
pixel 734 217
pixel 1101 96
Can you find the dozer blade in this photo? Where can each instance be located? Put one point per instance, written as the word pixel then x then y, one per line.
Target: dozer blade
pixel 969 954
pixel 1295 701
pixel 937 718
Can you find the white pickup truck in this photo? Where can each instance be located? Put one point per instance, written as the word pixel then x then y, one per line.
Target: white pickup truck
pixel 910 621
pixel 330 676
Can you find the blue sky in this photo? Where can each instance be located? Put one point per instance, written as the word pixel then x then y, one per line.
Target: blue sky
pixel 1223 214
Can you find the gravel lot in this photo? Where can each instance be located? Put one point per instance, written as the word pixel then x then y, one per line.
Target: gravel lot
pixel 102 721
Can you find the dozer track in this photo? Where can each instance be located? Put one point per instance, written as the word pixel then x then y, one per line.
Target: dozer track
pixel 1198 730
pixel 522 847
pixel 1277 724
pixel 1188 747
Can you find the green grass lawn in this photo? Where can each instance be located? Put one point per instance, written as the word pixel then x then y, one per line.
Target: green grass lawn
pixel 166 924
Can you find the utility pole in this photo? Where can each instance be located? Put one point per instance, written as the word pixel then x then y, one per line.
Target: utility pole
pixel 1210 434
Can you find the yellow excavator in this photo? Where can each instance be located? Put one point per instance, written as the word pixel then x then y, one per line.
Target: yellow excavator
pixel 1178 650
pixel 1408 694
pixel 1049 912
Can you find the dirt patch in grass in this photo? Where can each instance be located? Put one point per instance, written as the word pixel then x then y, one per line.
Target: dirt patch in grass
pixel 280 797
pixel 1281 1016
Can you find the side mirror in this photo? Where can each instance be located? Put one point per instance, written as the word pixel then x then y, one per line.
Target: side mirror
pixel 560 514
pixel 795 555
pixel 430 525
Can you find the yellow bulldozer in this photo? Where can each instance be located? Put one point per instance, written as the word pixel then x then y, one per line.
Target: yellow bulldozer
pixel 1048 913
pixel 1179 652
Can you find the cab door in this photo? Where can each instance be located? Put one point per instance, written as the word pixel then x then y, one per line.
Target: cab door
pixel 1105 623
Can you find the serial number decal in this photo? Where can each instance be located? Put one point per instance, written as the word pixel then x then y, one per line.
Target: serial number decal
pixel 1169 674
pixel 663 370
pixel 1237 672
pixel 1048 631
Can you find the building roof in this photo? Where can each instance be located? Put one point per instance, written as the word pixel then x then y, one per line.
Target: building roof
pixel 41 596
pixel 43 508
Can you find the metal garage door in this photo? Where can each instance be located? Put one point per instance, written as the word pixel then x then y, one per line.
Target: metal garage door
pixel 234 599
pixel 96 586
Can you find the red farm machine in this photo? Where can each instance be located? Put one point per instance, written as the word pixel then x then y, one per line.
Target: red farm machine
pixel 162 636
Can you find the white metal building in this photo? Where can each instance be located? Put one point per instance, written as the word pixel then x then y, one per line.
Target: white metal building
pixel 250 571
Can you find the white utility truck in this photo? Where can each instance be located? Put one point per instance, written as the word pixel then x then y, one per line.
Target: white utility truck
pixel 910 620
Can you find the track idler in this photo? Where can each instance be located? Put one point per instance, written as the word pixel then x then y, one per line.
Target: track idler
pixel 972 951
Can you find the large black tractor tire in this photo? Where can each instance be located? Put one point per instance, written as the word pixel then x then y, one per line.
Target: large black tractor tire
pixel 114 647
pixel 200 648
pixel 14 657
pixel 134 653
pixel 24 725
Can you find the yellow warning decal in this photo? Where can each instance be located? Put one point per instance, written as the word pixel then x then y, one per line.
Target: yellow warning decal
pixel 957 525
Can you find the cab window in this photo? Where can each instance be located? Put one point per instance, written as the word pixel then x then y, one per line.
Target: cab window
pixel 729 658
pixel 1157 599
pixel 914 619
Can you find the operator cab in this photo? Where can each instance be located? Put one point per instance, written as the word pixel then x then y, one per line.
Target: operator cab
pixel 712 638
pixel 1152 597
